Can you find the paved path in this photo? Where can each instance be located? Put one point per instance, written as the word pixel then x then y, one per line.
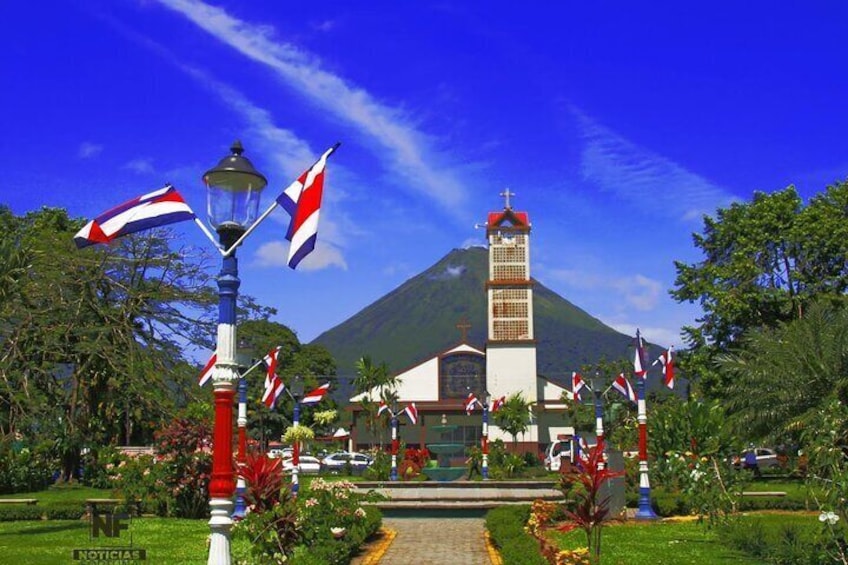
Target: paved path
pixel 436 541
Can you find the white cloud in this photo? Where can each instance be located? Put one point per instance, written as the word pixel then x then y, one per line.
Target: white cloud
pixel 140 166
pixel 639 291
pixel 88 150
pixel 655 184
pixel 654 334
pixel 325 255
pixel 405 147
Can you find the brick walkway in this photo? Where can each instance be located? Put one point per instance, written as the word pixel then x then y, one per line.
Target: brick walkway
pixel 435 541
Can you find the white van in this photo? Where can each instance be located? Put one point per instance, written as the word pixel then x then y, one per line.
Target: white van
pixel 556 451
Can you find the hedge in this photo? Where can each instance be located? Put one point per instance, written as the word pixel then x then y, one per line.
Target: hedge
pixel 506 529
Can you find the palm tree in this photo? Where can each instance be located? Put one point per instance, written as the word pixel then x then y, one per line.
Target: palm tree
pixel 782 377
pixel 372 378
pixel 514 416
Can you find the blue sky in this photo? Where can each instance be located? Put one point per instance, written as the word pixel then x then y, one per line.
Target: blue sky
pixel 617 125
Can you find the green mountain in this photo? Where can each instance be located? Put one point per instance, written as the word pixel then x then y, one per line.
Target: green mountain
pixel 419 319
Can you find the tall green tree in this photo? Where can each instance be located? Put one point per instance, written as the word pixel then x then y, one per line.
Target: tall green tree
pixel 93 341
pixel 763 263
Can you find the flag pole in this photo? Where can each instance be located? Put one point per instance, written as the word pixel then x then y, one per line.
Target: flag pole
pixel 645 511
pixel 206 232
pixel 273 205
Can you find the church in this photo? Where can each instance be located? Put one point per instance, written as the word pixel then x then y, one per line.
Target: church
pixel 440 386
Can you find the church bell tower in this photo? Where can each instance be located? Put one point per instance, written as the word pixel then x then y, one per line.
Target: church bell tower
pixel 511 345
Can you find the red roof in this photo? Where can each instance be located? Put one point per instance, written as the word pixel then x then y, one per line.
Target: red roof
pixel 509 216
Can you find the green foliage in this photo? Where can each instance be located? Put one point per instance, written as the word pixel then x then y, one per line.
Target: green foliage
pixel 184 453
pixel 782 378
pixel 693 426
pixel 763 263
pixel 323 526
pixel 271 535
pixel 779 543
pixel 24 469
pixel 502 463
pixel 505 525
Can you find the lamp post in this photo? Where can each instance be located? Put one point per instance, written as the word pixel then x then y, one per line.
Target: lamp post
pixel 645 510
pixel 393 474
pixel 484 440
pixel 234 187
pixel 296 394
pixel 597 384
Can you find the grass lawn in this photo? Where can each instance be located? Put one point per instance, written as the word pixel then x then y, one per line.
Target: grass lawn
pixel 670 542
pixel 168 541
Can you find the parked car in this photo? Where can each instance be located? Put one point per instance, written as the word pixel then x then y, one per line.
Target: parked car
pixel 766 458
pixel 284 453
pixel 338 462
pixel 307 465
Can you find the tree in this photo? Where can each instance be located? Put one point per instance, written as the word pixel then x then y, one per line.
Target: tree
pixel 514 416
pixel 93 341
pixel 763 263
pixel 372 379
pixel 781 379
pixel 313 363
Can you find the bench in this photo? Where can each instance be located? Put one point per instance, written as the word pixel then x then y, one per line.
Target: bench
pixel 753 493
pixel 29 501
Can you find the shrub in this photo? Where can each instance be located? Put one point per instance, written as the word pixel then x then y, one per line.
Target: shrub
pixel 184 453
pixel 65 511
pixel 381 467
pixel 16 513
pixel 506 529
pixel 97 467
pixel 24 469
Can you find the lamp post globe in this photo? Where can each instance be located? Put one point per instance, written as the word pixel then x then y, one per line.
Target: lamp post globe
pixel 234 187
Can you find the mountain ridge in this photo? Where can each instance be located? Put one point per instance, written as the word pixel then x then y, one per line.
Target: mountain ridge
pixel 420 318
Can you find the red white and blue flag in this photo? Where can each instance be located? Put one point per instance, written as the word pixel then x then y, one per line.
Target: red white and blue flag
pixel 274 385
pixel 498 403
pixel 302 200
pixel 316 395
pixel 622 385
pixel 667 367
pixel 412 413
pixel 639 368
pixel 470 402
pixel 577 384
pixel 154 209
pixel 207 371
pixel 382 408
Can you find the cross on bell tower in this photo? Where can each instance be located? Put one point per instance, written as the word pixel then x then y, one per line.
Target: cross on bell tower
pixel 506 194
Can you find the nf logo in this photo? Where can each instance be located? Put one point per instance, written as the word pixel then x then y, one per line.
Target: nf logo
pixel 109 524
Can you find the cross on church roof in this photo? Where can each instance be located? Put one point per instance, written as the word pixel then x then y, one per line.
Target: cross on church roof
pixel 463 326
pixel 506 194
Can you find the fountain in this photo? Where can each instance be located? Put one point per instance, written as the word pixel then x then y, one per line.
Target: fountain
pixel 445 452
